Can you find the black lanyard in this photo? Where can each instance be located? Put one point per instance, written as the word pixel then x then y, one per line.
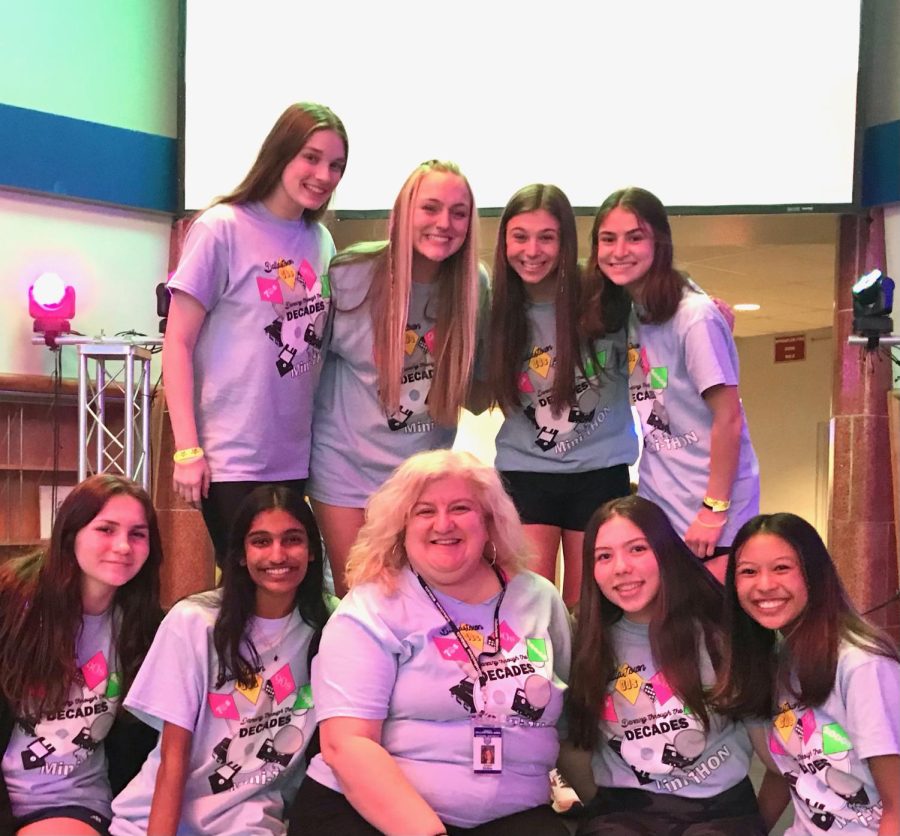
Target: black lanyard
pixel 492 641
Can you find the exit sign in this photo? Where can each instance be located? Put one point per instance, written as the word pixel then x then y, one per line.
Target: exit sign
pixel 791 348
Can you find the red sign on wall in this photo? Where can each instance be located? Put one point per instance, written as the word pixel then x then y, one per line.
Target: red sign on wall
pixel 790 348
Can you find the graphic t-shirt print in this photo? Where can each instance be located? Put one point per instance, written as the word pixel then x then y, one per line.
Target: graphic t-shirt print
pixel 561 432
pixel 654 733
pixel 517 680
pixel 59 742
pixel 821 775
pixel 300 299
pixel 648 386
pixel 412 414
pixel 262 727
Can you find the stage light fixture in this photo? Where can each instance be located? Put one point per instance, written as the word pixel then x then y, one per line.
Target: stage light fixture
pixel 873 301
pixel 51 304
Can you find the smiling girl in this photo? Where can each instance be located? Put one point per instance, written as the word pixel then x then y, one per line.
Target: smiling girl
pixel 75 625
pixel 401 350
pixel 647 649
pixel 227 682
pixel 567 437
pixel 826 681
pixel 250 300
pixel 697 462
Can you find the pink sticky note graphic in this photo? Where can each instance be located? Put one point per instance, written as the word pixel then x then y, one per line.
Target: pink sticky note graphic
pixel 269 290
pixel 775 746
pixel 307 274
pixel 450 649
pixel 808 723
pixel 429 341
pixel 608 712
pixel 283 683
pixel 508 638
pixel 95 670
pixel 525 383
pixel 645 363
pixel 223 706
pixel 663 692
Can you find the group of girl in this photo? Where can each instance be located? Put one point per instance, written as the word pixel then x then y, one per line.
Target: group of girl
pixel 672 685
pixel 290 371
pixel 285 365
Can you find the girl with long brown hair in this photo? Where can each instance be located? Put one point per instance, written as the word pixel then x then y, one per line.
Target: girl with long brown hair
pixel 75 625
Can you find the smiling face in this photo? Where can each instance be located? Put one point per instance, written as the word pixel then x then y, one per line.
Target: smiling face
pixel 625 248
pixel 446 535
pixel 110 551
pixel 769 581
pixel 440 217
pixel 276 554
pixel 532 250
pixel 626 569
pixel 309 179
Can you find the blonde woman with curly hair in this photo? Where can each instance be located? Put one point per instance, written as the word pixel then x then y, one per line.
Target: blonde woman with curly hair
pixel 444 648
pixel 401 350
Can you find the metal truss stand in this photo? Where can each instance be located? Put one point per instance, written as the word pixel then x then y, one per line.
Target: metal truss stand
pixel 119 371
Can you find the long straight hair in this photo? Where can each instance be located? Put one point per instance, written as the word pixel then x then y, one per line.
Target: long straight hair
pixel 608 305
pixel 41 605
pixel 239 590
pixel 289 134
pixel 509 324
pixel 456 310
pixel 758 663
pixel 689 605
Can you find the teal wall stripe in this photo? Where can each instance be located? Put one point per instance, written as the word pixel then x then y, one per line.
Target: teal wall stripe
pixel 881 164
pixel 43 152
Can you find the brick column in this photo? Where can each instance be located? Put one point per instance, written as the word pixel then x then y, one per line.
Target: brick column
pixel 861 518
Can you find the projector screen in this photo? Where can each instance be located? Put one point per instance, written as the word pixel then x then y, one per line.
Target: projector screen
pixel 709 104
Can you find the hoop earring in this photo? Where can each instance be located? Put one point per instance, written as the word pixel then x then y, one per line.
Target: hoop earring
pixel 398 553
pixel 493 558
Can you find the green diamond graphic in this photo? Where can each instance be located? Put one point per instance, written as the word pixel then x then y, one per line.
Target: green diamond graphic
pixel 304 698
pixel 659 377
pixel 114 686
pixel 835 740
pixel 537 650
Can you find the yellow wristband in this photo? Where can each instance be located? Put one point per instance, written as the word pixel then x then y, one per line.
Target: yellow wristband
pixel 717 505
pixel 189 454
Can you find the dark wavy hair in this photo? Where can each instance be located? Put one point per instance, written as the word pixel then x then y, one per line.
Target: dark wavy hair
pixel 758 664
pixel 286 139
pixel 608 305
pixel 239 590
pixel 689 610
pixel 41 605
pixel 509 325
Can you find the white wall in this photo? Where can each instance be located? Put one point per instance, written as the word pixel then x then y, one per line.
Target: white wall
pixel 788 407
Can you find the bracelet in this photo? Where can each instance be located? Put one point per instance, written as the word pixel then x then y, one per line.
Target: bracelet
pixel 717 505
pixel 189 454
pixel 711 525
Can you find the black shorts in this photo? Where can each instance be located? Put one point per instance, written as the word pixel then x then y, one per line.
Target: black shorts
pixel 564 500
pixel 635 812
pixel 99 822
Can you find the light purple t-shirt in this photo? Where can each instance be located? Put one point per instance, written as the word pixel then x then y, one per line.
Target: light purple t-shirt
pixel 670 366
pixel 60 760
pixel 650 740
pixel 597 433
pixel 394 658
pixel 246 757
pixel 263 283
pixel 355 445
pixel 822 751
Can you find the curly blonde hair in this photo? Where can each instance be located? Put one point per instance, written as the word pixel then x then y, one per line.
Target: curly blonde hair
pixel 378 553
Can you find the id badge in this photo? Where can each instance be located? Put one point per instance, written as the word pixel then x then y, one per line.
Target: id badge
pixel 487 749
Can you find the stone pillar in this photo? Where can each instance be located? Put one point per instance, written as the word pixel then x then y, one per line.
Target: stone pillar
pixel 861 518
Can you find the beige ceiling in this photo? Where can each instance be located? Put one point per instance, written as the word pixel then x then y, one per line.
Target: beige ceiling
pixel 784 263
